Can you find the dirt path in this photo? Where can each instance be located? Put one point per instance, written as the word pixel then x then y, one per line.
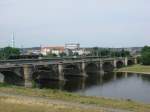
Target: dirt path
pixel 46 101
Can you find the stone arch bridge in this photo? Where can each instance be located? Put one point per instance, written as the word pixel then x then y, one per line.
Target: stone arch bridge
pixel 24 72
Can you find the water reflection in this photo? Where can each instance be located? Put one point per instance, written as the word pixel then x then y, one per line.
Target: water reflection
pixel 74 84
pixel 115 85
pixel 49 84
pixel 146 78
pixel 93 79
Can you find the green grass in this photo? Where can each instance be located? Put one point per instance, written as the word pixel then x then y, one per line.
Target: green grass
pixel 8 104
pixel 70 97
pixel 136 69
pixel 5 85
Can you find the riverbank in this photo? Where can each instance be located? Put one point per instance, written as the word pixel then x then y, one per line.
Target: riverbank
pixel 140 69
pixel 62 101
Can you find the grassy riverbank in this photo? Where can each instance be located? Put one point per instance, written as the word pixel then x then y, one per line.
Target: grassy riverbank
pixel 25 104
pixel 63 97
pixel 136 69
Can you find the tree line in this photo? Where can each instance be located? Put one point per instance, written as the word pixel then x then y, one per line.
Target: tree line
pixel 6 52
pixel 109 52
pixel 145 55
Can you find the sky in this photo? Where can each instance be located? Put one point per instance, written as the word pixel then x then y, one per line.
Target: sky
pixel 103 23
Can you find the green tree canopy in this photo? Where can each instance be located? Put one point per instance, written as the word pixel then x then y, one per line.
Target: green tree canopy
pixel 109 52
pixel 6 52
pixel 145 55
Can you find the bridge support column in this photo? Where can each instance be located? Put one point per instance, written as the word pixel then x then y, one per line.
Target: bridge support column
pixel 60 71
pixel 27 69
pixel 135 61
pixel 101 68
pixel 126 61
pixel 83 68
pixel 115 63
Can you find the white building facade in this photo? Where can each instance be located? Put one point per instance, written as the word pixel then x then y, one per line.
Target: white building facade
pixel 52 50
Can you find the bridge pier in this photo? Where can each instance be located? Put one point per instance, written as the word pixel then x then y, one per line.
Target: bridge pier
pixel 27 71
pixel 135 61
pixel 126 61
pixel 60 71
pixel 83 72
pixel 101 68
pixel 115 64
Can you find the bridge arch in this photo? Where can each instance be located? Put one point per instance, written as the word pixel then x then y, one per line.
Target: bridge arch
pixel 10 77
pixel 119 64
pixel 108 67
pixel 43 75
pixel 91 68
pixel 71 69
pixel 130 62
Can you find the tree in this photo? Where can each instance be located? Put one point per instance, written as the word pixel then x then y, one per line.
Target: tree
pixel 124 53
pixel 63 54
pixel 6 52
pixel 95 51
pixel 145 49
pixel 70 53
pixel 51 55
pixel 108 52
pixel 145 55
pixel 76 54
pixel 100 51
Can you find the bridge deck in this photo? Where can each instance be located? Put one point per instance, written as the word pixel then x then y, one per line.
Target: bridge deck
pixel 34 62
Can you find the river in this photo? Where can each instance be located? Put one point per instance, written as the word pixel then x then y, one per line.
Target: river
pixel 113 85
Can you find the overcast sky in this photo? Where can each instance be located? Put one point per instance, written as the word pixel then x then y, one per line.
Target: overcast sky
pixel 103 23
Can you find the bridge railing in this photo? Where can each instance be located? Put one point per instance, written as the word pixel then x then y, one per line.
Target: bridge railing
pixel 53 60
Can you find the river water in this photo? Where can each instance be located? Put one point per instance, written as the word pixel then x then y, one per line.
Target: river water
pixel 114 85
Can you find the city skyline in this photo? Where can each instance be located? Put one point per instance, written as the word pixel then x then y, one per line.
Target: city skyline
pixel 88 22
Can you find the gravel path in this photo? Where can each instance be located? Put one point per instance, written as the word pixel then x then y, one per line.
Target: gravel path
pixel 47 101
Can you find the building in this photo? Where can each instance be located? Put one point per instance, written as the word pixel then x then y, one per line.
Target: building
pixel 81 51
pixel 72 46
pixel 29 51
pixel 52 50
pixel 134 51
